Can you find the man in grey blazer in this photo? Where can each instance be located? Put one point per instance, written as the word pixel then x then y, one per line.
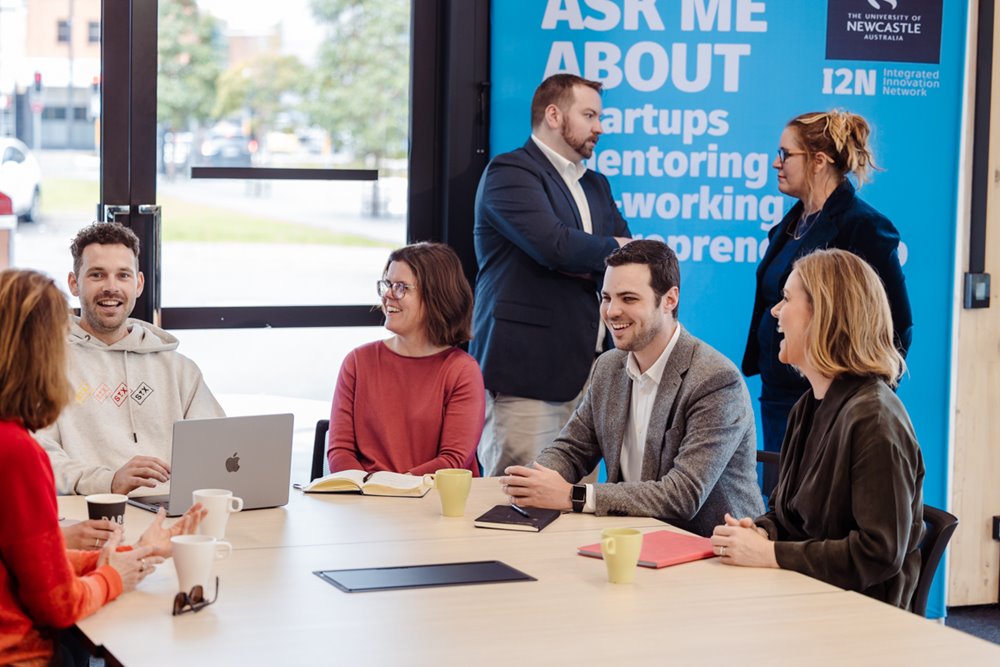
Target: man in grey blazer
pixel 670 416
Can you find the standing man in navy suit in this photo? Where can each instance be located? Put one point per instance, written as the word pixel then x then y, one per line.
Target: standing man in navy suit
pixel 544 224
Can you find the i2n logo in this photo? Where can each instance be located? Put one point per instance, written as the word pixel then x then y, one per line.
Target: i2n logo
pixel 877 4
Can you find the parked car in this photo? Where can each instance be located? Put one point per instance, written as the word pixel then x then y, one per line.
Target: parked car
pixel 227 151
pixel 20 178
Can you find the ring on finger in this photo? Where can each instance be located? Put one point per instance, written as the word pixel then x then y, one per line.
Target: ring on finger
pixel 722 551
pixel 142 564
pixel 97 542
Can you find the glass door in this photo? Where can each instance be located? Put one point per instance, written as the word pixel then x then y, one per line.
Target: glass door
pixel 281 174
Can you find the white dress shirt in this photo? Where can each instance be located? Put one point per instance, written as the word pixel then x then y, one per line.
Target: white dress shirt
pixel 644 388
pixel 571 173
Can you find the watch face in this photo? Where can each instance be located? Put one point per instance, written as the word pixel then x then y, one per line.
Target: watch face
pixel 579 493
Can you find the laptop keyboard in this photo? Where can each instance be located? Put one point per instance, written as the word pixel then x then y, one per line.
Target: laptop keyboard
pixel 151 503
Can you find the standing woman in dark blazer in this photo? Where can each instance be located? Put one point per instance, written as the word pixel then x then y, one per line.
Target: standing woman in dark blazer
pixel 848 508
pixel 817 153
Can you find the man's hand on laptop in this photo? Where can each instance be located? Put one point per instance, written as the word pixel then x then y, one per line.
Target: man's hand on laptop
pixel 139 471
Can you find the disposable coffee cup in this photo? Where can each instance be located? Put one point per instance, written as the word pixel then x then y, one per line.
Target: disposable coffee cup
pixel 108 506
pixel 219 503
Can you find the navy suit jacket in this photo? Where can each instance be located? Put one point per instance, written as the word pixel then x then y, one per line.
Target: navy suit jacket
pixel 536 312
pixel 847 222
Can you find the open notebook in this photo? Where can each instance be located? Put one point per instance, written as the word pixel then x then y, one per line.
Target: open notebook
pixel 381 483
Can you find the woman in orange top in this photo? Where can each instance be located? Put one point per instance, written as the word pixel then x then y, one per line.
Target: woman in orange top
pixel 43 586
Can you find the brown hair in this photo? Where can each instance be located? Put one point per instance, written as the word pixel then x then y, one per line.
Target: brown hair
pixel 664 270
pixel 842 137
pixel 34 318
pixel 103 233
pixel 445 291
pixel 851 328
pixel 557 90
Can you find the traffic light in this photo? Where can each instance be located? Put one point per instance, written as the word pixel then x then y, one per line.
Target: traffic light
pixel 38 82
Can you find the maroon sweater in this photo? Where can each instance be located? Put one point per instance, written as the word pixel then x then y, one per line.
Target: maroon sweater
pixel 406 414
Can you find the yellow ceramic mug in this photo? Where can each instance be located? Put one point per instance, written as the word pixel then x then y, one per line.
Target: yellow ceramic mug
pixel 453 486
pixel 620 547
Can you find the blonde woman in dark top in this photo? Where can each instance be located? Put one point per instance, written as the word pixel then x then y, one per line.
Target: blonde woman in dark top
pixel 848 506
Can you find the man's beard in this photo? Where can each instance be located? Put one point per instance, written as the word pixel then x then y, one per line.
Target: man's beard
pixel 579 146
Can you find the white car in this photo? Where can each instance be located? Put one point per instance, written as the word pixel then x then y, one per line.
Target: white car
pixel 20 178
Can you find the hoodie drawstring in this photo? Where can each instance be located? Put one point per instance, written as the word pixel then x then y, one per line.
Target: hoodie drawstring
pixel 128 399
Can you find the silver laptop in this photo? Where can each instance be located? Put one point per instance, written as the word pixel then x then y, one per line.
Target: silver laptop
pixel 250 456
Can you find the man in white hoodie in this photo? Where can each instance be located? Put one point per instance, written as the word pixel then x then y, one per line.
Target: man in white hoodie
pixel 129 382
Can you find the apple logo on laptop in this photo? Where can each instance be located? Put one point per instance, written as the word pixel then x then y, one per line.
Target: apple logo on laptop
pixel 233 462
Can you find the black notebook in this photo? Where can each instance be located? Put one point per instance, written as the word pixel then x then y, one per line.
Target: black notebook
pixel 506 517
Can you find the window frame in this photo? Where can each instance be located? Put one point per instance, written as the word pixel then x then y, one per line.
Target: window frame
pixel 449 51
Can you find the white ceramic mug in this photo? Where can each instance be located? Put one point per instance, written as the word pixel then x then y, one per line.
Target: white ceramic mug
pixel 220 503
pixel 193 559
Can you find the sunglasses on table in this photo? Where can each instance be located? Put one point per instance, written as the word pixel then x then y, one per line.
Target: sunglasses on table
pixel 195 600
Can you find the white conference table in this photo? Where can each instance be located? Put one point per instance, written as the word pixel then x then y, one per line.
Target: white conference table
pixel 273 610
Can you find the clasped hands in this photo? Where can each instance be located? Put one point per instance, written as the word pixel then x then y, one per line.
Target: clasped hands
pixel 740 542
pixel 536 486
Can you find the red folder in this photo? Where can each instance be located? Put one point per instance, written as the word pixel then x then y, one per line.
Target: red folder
pixel 662 548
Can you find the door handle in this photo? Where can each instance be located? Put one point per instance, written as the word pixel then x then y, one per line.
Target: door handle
pixel 112 211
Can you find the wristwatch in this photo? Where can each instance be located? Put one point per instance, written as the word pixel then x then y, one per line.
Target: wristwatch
pixel 578 497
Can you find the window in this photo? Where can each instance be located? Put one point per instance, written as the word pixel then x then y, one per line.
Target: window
pixel 251 102
pixel 13 155
pixel 94 32
pixel 63 32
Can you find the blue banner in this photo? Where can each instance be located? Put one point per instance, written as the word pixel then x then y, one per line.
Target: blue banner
pixel 697 94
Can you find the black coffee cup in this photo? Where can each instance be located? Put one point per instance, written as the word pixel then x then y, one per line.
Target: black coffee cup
pixel 109 506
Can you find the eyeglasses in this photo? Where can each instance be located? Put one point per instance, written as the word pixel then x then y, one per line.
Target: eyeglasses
pixel 398 289
pixel 784 154
pixel 195 600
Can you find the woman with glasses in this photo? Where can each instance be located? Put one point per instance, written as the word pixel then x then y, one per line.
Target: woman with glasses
pixel 848 507
pixel 44 586
pixel 414 402
pixel 817 155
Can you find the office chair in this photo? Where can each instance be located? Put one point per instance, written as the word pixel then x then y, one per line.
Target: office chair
pixel 769 479
pixel 940 527
pixel 319 449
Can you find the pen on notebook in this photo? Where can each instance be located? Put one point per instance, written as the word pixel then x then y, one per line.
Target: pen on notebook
pixel 520 510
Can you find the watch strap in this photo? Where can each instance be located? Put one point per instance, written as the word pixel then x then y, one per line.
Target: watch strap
pixel 578 497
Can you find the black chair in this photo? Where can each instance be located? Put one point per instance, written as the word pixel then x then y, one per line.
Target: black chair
pixel 319 449
pixel 771 462
pixel 940 527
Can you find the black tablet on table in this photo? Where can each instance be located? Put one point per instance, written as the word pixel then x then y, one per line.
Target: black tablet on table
pixel 422 576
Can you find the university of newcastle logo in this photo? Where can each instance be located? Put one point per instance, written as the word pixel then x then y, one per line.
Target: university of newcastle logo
pixel 884 30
